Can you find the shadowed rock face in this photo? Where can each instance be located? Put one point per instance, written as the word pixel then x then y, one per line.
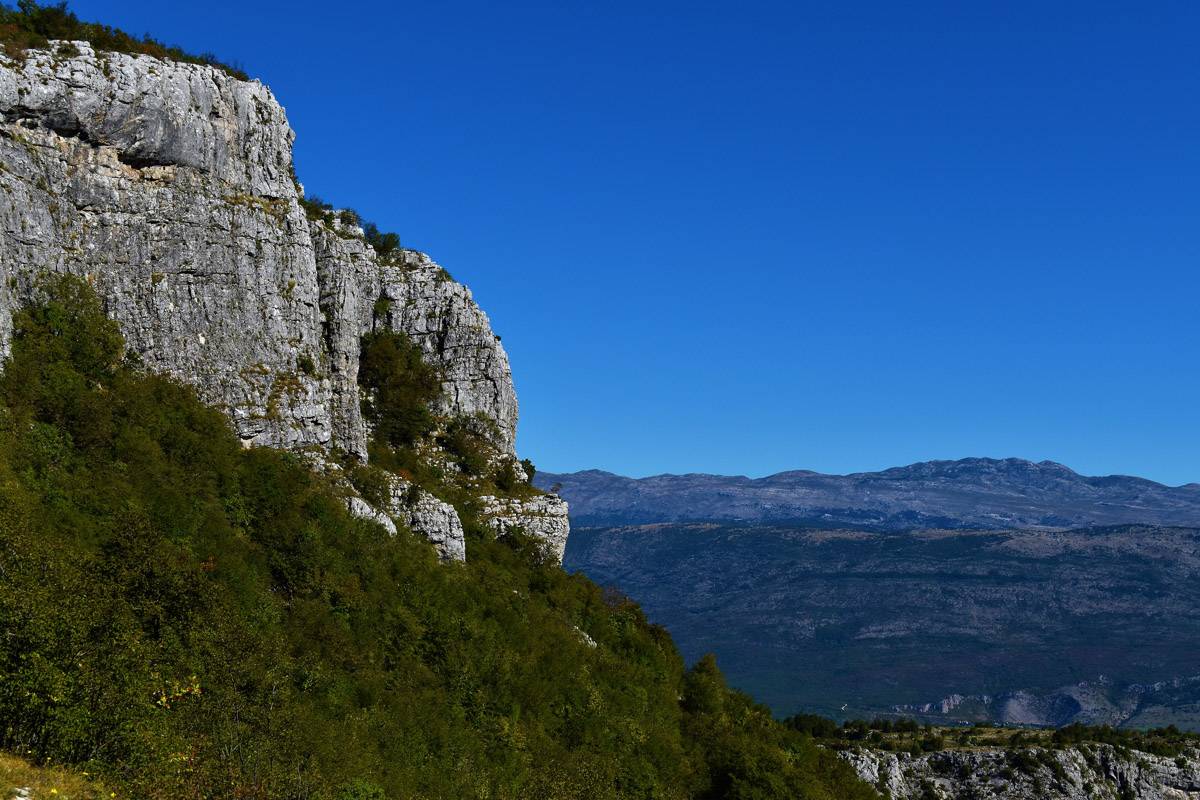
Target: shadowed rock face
pixel 170 188
pixel 971 493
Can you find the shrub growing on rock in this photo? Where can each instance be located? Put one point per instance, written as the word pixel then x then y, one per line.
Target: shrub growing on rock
pixel 398 388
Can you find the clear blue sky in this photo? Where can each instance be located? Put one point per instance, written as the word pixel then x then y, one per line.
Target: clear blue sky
pixel 747 237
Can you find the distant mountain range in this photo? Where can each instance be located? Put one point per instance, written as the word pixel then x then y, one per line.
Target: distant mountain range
pixel 972 493
pixel 972 590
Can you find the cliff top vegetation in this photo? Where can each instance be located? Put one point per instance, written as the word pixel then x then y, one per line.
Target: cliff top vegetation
pixel 34 25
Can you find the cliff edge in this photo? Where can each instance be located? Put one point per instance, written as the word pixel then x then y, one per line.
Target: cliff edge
pixel 170 188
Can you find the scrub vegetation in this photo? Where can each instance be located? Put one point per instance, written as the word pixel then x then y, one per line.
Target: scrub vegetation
pixel 186 617
pixel 907 735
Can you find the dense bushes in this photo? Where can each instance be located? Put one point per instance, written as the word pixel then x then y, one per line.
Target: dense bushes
pixel 32 25
pixel 1168 741
pixel 398 387
pixel 190 618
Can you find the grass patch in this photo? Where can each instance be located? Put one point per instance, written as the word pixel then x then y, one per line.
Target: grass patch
pixel 47 783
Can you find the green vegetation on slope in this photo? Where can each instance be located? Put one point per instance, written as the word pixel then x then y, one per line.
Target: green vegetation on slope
pixel 907 735
pixel 455 458
pixel 32 25
pixel 186 617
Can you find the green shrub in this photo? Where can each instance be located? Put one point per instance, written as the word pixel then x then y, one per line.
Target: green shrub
pixel 384 243
pixel 512 478
pixel 361 790
pixel 398 388
pixel 381 309
pixel 316 209
pixel 529 469
pixel 468 445
pixel 933 743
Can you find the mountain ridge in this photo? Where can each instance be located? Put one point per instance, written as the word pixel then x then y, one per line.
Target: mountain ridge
pixel 860 473
pixel 973 492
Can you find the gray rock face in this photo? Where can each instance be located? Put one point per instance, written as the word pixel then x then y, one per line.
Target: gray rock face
pixel 420 512
pixel 411 293
pixel 543 517
pixel 1075 773
pixel 170 188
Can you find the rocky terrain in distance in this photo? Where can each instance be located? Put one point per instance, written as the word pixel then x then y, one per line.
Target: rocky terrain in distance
pixel 969 493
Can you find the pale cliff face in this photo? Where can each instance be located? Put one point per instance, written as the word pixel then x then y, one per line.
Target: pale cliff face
pixel 170 185
pixel 1080 772
pixel 170 188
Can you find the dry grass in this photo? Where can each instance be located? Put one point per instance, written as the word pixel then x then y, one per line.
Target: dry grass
pixel 21 779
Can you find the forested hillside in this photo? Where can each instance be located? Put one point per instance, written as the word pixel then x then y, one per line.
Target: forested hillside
pixel 187 617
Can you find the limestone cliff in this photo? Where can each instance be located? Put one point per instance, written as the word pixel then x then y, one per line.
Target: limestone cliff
pixel 1075 773
pixel 170 188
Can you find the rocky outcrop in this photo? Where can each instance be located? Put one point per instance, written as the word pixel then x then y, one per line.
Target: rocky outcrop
pixel 409 293
pixel 543 517
pixel 420 512
pixel 170 188
pixel 1076 773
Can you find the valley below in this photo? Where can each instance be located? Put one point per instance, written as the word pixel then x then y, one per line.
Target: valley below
pixel 1028 627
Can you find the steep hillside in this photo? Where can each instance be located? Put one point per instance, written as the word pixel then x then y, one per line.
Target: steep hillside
pixel 1028 627
pixel 971 493
pixel 190 617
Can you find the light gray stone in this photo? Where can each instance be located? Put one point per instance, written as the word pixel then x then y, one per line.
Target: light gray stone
pixel 1074 773
pixel 544 517
pixel 420 512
